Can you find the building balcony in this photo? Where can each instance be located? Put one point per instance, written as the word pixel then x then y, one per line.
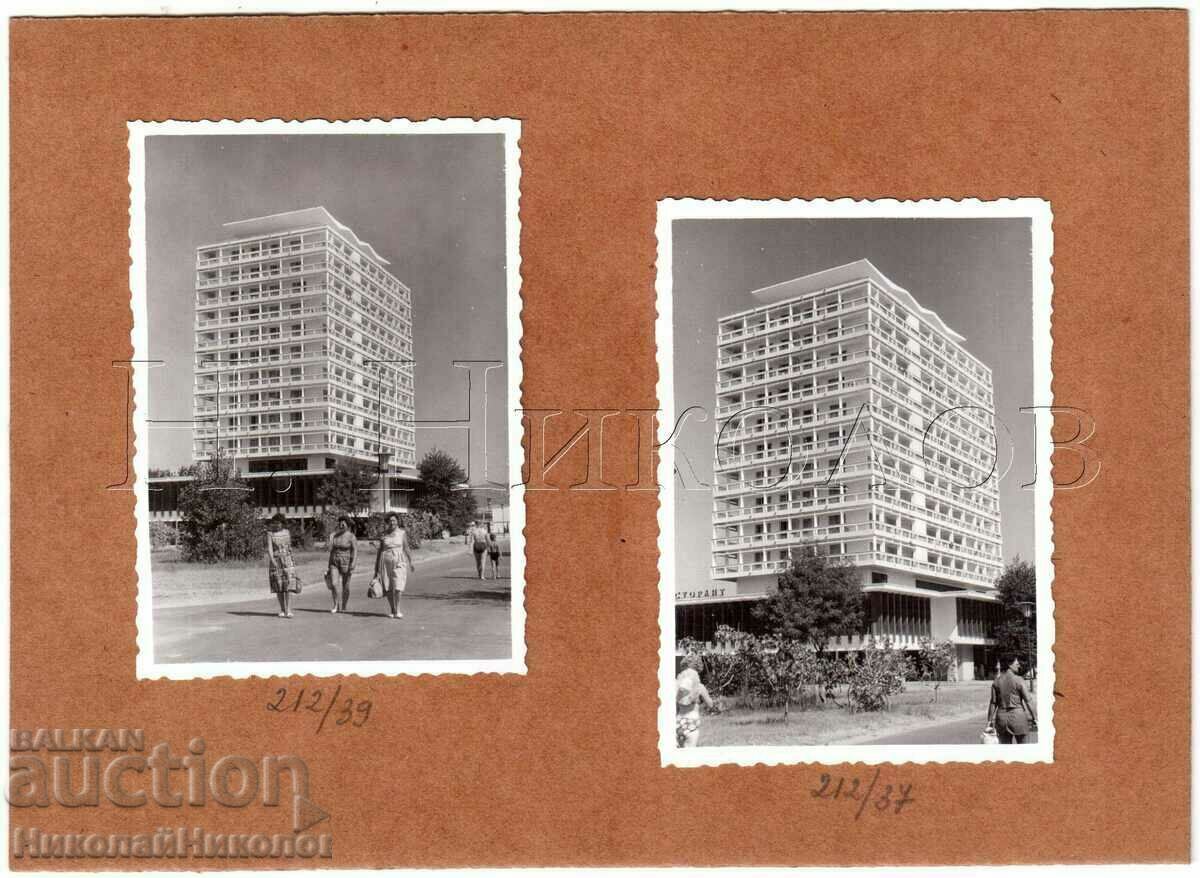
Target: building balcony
pixel 797 452
pixel 395 301
pixel 861 559
pixel 966 368
pixel 258 362
pixel 214 386
pixel 896 504
pixel 260 340
pixel 811 315
pixel 811 368
pixel 263 253
pixel 790 480
pixel 773 376
pixel 810 505
pixel 949 399
pixel 932 440
pixel 203 283
pixel 213 409
pixel 875 500
pixel 791 426
pixel 227 299
pixel 821 391
pixel 246 319
pixel 929 414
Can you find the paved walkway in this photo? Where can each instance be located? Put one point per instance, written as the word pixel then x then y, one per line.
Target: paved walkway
pixel 448 614
pixel 963 731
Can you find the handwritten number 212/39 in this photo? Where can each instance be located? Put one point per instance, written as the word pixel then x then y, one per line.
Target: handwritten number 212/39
pixel 345 711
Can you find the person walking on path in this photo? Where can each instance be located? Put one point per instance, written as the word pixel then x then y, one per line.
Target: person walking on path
pixel 493 548
pixel 392 563
pixel 343 555
pixel 477 539
pixel 1008 704
pixel 689 693
pixel 281 568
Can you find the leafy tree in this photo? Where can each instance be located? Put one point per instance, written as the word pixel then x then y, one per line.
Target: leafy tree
pixel 1017 585
pixel 217 519
pixel 817 599
pixel 348 488
pixel 439 492
pixel 936 659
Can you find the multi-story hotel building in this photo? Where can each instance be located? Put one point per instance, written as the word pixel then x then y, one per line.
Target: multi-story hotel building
pixel 303 355
pixel 852 419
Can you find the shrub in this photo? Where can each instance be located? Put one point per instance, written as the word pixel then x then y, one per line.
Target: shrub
pixel 418 527
pixel 876 675
pixel 217 521
pixel 303 532
pixel 162 535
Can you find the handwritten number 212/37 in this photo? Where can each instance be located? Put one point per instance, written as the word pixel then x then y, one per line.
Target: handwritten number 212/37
pixel 344 710
pixel 883 799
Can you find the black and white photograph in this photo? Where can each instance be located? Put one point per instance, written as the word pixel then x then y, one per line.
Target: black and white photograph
pixel 855 535
pixel 326 367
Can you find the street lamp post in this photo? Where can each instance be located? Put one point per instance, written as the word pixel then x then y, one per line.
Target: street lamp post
pixel 1027 608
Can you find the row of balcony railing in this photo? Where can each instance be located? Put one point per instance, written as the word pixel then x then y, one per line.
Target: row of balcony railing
pixel 372 289
pixel 853 447
pixel 981 527
pixel 965 375
pixel 967 370
pixel 983 577
pixel 804 369
pixel 395 372
pixel 849 295
pixel 400 436
pixel 251 252
pixel 809 316
pixel 249 340
pixel 871 471
pixel 749 542
pixel 792 370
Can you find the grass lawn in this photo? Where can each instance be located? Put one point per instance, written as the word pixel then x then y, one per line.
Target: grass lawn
pixel 176 583
pixel 831 724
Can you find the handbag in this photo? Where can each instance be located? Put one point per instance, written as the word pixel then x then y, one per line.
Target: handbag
pixel 988 735
pixel 295 586
pixel 375 589
pixel 329 581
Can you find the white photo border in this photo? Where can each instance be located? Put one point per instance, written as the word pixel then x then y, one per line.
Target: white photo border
pixel 1038 211
pixel 147 667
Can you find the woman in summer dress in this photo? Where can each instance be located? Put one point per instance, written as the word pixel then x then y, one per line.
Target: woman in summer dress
pixel 280 566
pixel 393 563
pixel 689 693
pixel 343 554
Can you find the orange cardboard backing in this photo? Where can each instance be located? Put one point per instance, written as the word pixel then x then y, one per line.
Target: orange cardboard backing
pixel 561 766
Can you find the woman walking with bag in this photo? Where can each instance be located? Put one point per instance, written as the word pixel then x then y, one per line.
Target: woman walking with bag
pixel 343 554
pixel 1009 704
pixel 281 569
pixel 392 563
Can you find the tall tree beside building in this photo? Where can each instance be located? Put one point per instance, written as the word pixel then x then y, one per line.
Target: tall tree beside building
pixel 217 520
pixel 348 488
pixel 441 493
pixel 818 598
pixel 1017 585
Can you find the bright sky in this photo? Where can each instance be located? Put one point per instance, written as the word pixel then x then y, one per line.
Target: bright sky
pixel 431 204
pixel 975 273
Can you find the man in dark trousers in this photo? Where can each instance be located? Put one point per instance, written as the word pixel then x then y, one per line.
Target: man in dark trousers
pixel 1009 702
